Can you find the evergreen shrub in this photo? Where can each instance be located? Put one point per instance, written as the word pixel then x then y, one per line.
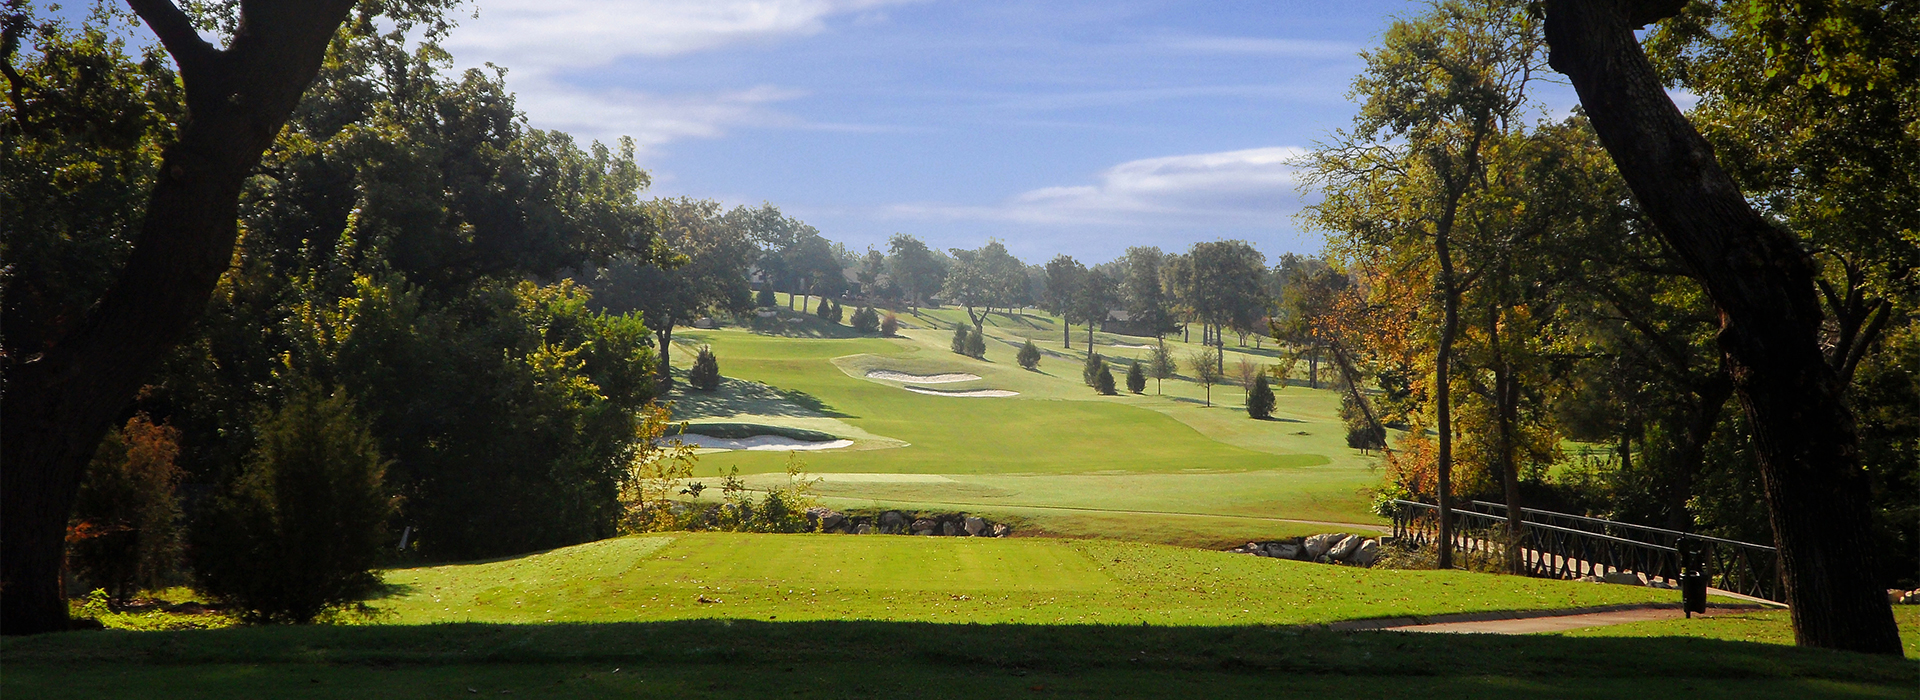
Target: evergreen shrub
pixel 1029 356
pixel 1136 378
pixel 977 344
pixel 1103 382
pixel 705 374
pixel 1090 369
pixel 1260 400
pixel 959 343
pixel 764 298
pixel 300 531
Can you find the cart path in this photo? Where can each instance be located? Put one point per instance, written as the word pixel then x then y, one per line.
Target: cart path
pixel 1536 621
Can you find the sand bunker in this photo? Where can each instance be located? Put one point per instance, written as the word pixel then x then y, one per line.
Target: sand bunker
pixel 1125 346
pixel 893 376
pixel 765 443
pixel 977 393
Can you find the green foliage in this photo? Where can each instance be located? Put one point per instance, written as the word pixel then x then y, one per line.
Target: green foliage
pixel 1103 381
pixel 764 298
pixel 1136 377
pixel 1029 356
pixel 1361 435
pixel 705 373
pixel 1090 368
pixel 1260 399
pixel 655 469
pixel 866 319
pixel 782 508
pixel 1161 364
pixel 300 531
pixel 1206 369
pixel 824 310
pixel 977 344
pixel 124 535
pixel 838 313
pixel 959 343
pixel 889 325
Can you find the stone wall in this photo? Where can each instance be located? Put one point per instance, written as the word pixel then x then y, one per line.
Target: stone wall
pixel 1327 548
pixel 896 522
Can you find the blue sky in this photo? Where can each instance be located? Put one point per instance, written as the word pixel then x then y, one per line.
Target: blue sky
pixel 1075 127
pixel 1056 127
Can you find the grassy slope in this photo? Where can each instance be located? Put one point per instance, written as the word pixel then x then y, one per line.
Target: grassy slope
pixel 1058 456
pixel 833 616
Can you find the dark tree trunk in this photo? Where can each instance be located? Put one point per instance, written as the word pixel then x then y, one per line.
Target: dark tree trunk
pixel 664 375
pixel 1506 404
pixel 1443 395
pixel 1066 333
pixel 57 407
pixel 1762 284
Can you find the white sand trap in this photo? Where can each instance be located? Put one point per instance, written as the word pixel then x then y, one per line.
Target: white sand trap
pixel 948 378
pixel 765 443
pixel 977 393
pixel 1125 346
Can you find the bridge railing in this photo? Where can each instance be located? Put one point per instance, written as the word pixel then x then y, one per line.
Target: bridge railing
pixel 1563 545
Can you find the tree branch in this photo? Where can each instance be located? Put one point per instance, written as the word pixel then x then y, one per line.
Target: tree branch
pixel 177 34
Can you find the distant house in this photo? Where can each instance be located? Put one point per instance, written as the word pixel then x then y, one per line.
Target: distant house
pixel 1120 322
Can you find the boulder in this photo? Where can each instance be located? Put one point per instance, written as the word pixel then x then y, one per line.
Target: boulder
pixel 1624 578
pixel 1001 530
pixel 974 526
pixel 1262 552
pixel 1366 554
pixel 1911 598
pixel 949 528
pixel 1346 548
pixel 923 524
pixel 1283 550
pixel 1321 544
pixel 863 529
pixel 1895 596
pixel 892 521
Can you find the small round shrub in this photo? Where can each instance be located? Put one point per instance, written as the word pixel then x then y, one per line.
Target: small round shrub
pixel 977 344
pixel 1029 356
pixel 960 333
pixel 889 325
pixel 705 374
pixel 866 320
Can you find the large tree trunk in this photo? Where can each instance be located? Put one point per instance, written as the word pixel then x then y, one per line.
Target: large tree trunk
pixel 57 407
pixel 1762 284
pixel 663 376
pixel 1443 395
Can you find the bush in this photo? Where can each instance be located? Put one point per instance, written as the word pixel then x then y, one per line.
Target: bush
pixel 705 374
pixel 889 325
pixel 838 313
pixel 300 531
pixel 824 310
pixel 977 344
pixel 655 471
pixel 866 320
pixel 1136 378
pixel 1090 369
pixel 764 298
pixel 959 343
pixel 1260 399
pixel 1029 356
pixel 125 534
pixel 1103 382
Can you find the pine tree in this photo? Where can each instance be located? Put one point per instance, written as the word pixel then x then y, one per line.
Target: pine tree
pixel 824 310
pixel 1260 399
pixel 977 344
pixel 764 299
pixel 705 374
pixel 1136 378
pixel 1029 356
pixel 1103 382
pixel 960 339
pixel 1090 370
pixel 839 313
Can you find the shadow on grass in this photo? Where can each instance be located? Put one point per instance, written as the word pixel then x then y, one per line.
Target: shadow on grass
pixel 1116 660
pixel 735 397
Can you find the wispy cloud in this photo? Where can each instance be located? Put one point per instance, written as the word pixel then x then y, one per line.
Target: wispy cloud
pixel 543 40
pixel 1234 188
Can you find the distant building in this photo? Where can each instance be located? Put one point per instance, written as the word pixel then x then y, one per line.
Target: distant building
pixel 1120 322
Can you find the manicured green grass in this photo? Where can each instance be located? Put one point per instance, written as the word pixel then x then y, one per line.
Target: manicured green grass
pixel 947 579
pixel 863 616
pixel 1057 450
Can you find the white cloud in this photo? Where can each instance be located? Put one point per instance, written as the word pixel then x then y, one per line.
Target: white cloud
pixel 540 41
pixel 1249 187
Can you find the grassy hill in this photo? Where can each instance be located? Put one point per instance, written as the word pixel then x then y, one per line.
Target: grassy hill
pixel 1157 467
